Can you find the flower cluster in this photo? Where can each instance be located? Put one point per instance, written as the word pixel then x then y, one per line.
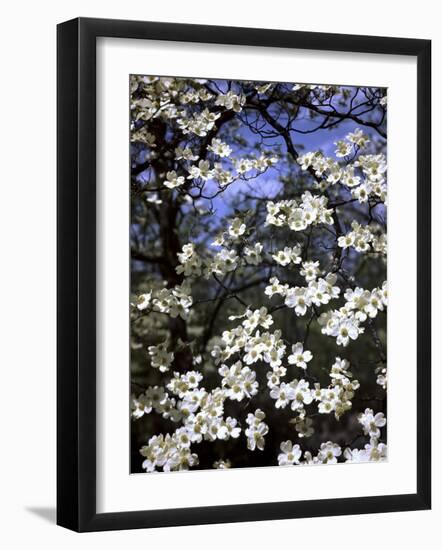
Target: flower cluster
pixel 256 430
pixel 224 262
pixel 275 287
pixel 161 359
pixel 360 238
pixel 252 254
pixel 175 301
pixel 344 324
pixel 220 148
pixel 223 175
pixel 200 412
pixel 169 452
pixel 297 393
pixel 157 399
pixel 372 423
pixel 231 101
pixel 190 262
pixel 364 176
pixel 288 255
pixel 183 385
pixel 310 270
pixel 239 381
pixel 366 302
pixel 328 453
pixel 338 395
pixel 331 453
pixel 198 123
pixel 290 454
pixel 317 292
pixel 374 451
pixel 311 210
pixel 201 170
pixel 144 136
pixel 254 346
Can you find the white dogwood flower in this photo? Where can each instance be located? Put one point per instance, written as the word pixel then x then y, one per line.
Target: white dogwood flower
pixel 173 180
pixel 329 452
pixel 283 394
pixel 372 422
pixel 299 356
pixel 290 454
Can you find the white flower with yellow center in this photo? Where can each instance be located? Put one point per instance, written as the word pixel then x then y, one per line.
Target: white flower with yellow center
pixel 290 454
pixel 299 356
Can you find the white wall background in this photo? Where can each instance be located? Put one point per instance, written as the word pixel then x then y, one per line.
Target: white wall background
pixel 27 273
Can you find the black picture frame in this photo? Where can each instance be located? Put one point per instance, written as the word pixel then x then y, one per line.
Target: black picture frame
pixel 76 274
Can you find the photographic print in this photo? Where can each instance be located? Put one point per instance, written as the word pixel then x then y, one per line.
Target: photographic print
pixel 258 304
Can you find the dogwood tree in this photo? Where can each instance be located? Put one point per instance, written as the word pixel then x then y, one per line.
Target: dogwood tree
pixel 258 262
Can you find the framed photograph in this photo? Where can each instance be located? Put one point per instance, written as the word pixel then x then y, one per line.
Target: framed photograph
pixel 238 210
